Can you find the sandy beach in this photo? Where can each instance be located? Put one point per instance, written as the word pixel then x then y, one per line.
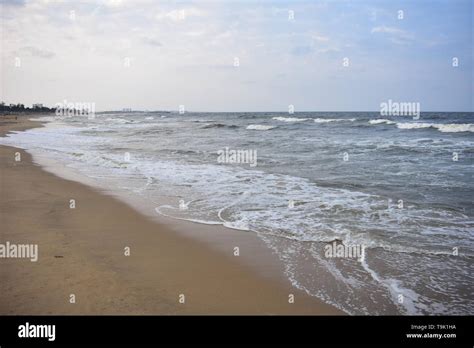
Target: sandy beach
pixel 82 252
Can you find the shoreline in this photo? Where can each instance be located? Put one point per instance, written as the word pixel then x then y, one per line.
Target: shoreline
pixel 81 252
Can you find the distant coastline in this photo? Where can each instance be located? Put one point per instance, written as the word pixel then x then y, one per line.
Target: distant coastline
pixel 19 109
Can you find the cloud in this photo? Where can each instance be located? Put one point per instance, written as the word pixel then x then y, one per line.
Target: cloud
pixel 302 50
pixel 319 38
pixel 163 38
pixel 37 52
pixel 328 50
pixel 181 14
pixel 152 42
pixel 384 29
pixel 13 2
pixel 114 3
pixel 195 33
pixel 373 15
pixel 396 35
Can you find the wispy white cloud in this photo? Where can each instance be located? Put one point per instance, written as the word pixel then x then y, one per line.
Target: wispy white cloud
pixel 36 52
pixel 319 38
pixel 396 35
pixel 152 41
pixel 181 14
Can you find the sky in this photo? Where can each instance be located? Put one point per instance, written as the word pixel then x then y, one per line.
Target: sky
pixel 238 55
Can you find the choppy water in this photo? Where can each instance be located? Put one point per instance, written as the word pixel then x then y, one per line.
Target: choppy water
pixel 389 184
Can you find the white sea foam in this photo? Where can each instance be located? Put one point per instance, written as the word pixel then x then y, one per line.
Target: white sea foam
pixel 413 125
pixel 199 221
pixel 290 119
pixel 445 128
pixel 442 127
pixel 455 128
pixel 381 120
pixel 259 127
pixel 327 120
pixel 117 120
pixel 395 289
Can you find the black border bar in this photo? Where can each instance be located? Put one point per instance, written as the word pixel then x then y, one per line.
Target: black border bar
pixel 326 330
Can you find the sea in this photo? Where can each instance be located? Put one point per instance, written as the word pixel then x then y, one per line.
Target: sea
pixel 400 189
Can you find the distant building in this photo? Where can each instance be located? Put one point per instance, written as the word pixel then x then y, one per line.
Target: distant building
pixel 37 106
pixel 126 110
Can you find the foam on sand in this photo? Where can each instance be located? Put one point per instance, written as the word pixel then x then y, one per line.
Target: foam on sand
pixel 43 119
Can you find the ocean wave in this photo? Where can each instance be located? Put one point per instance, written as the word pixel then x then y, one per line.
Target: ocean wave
pixel 259 127
pixel 217 125
pixel 199 121
pixel 409 125
pixel 445 128
pixel 442 127
pixel 290 119
pixel 381 120
pixel 327 120
pixel 117 120
pixel 455 128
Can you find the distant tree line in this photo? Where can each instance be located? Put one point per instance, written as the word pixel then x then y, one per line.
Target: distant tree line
pixel 20 108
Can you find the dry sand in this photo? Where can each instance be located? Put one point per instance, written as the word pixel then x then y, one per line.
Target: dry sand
pixel 81 252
